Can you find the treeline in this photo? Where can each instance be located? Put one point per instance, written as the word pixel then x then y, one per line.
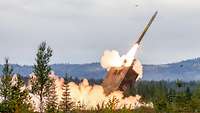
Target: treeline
pixel 15 96
pixel 166 96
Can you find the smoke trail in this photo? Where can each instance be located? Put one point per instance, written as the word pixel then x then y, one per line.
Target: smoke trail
pixel 131 55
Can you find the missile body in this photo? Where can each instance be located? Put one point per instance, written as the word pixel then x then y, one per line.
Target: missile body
pixel 146 28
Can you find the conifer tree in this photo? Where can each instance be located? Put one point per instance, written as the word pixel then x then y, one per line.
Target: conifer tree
pixel 41 70
pixel 20 96
pixel 52 105
pixel 5 88
pixel 112 103
pixel 66 104
pixel 14 98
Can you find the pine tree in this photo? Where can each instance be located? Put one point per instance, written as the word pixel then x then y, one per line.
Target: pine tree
pixel 15 99
pixel 112 103
pixel 41 70
pixel 66 104
pixel 5 87
pixel 19 96
pixel 52 106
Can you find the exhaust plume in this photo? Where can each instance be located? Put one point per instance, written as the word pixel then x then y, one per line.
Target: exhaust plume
pixel 89 96
pixel 113 58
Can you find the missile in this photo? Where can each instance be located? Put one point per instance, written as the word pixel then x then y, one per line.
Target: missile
pixel 144 32
pixel 146 28
pixel 124 77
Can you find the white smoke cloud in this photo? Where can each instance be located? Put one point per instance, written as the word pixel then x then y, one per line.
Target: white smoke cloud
pixel 113 58
pixel 14 80
pixel 91 96
pixel 59 83
pixel 138 68
pixel 85 94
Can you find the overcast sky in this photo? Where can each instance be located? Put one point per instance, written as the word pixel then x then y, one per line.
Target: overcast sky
pixel 80 30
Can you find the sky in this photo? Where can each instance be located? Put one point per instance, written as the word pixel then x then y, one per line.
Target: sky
pixel 79 31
